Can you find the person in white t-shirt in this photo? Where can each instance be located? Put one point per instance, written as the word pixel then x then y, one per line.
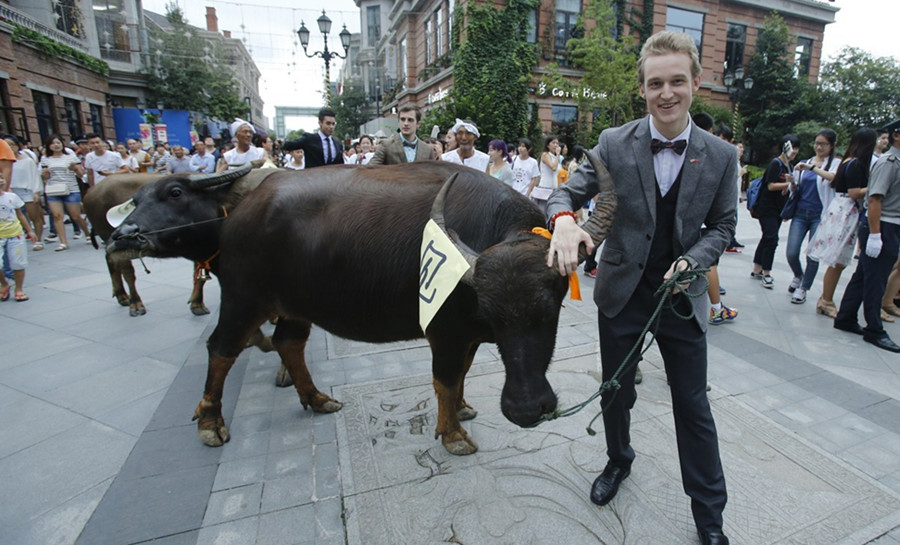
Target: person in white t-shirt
pixel 525 167
pixel 244 151
pixel 295 160
pixel 101 162
pixel 465 153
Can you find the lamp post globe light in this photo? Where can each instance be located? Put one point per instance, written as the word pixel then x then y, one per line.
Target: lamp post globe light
pixel 324 27
pixel 736 83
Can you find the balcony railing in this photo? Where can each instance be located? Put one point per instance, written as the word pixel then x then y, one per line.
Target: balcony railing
pixel 11 15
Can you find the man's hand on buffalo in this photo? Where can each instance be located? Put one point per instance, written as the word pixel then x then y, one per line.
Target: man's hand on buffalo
pixel 567 237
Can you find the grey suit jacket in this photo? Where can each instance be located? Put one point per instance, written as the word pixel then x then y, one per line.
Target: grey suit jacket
pixel 390 151
pixel 707 195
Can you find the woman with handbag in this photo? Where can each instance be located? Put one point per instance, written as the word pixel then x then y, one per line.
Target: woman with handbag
pixel 835 239
pixel 811 197
pixel 776 184
pixel 60 171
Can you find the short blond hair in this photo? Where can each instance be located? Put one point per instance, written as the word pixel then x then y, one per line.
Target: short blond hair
pixel 665 42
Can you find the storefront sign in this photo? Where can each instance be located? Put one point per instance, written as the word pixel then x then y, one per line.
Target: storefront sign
pixel 440 95
pixel 586 92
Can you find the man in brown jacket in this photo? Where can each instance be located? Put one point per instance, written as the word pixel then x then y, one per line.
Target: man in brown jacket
pixel 404 147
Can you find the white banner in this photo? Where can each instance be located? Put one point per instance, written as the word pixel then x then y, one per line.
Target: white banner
pixel 441 265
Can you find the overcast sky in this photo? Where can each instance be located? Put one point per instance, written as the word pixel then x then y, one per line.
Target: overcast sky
pixel 289 78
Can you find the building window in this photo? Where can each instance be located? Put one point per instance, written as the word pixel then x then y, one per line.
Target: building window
pixel 451 5
pixel 562 117
pixel 43 110
pixel 567 12
pixel 734 47
pixel 530 30
pixel 373 25
pixel 689 22
pixel 803 56
pixel 401 80
pixel 439 33
pixel 73 116
pixel 429 41
pixel 68 17
pixel 97 119
pixel 113 31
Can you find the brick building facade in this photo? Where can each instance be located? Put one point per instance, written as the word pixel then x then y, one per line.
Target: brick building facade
pixel 409 42
pixel 40 95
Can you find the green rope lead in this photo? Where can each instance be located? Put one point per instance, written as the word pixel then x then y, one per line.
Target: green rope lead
pixel 664 294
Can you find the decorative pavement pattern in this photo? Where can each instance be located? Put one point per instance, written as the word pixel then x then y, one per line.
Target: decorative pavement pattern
pixel 529 486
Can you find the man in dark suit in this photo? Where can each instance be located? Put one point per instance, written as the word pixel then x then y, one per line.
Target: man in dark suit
pixel 406 146
pixel 671 178
pixel 320 148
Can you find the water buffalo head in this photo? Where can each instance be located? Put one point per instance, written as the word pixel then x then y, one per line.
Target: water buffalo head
pixel 520 297
pixel 176 216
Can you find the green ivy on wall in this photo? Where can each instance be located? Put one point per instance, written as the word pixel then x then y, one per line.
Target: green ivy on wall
pixel 55 50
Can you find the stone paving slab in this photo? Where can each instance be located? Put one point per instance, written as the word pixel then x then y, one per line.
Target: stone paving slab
pixel 531 486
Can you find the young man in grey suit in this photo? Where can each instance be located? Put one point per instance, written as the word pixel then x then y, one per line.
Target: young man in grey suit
pixel 406 146
pixel 671 178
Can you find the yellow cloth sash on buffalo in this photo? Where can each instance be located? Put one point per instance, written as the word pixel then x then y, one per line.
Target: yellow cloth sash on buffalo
pixel 574 286
pixel 441 265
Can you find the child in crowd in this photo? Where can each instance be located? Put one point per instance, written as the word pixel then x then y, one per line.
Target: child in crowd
pixel 12 241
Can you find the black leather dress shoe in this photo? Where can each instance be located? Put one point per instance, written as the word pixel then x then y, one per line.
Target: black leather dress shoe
pixel 884 343
pixel 607 484
pixel 716 538
pixel 849 328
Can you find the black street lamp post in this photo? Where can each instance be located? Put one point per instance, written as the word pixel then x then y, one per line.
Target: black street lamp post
pixel 736 82
pixel 326 55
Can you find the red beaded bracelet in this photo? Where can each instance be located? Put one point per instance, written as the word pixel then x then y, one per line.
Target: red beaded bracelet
pixel 558 214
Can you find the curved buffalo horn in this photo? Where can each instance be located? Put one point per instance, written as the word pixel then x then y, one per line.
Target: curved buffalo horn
pixel 219 178
pixel 600 222
pixel 437 214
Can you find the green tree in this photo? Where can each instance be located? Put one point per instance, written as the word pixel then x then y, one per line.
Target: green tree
pixel 860 90
pixel 491 71
pixel 187 73
pixel 609 82
pixel 352 108
pixel 777 101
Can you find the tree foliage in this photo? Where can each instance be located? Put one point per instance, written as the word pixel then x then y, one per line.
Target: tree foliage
pixel 187 72
pixel 778 99
pixel 352 108
pixel 860 90
pixel 609 83
pixel 492 71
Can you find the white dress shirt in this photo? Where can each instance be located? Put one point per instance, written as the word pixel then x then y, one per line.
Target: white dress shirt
pixel 667 164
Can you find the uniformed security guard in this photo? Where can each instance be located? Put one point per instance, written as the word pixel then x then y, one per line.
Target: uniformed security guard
pixel 880 239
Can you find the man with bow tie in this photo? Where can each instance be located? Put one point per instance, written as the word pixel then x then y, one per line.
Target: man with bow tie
pixel 406 146
pixel 320 148
pixel 671 178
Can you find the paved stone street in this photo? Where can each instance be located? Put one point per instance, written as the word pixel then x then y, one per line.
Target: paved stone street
pixel 97 445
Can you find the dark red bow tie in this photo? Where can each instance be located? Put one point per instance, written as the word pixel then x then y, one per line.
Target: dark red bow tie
pixel 677 146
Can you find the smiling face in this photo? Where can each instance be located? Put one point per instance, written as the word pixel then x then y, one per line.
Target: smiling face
pixel 465 141
pixel 669 89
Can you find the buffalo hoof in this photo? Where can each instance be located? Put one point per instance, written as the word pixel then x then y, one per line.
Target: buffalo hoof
pixel 466 413
pixel 321 403
pixel 459 443
pixel 137 311
pixel 123 299
pixel 215 437
pixel 283 378
pixel 199 310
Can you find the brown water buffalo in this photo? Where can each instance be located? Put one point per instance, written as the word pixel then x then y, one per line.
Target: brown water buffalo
pixel 339 247
pixel 119 188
